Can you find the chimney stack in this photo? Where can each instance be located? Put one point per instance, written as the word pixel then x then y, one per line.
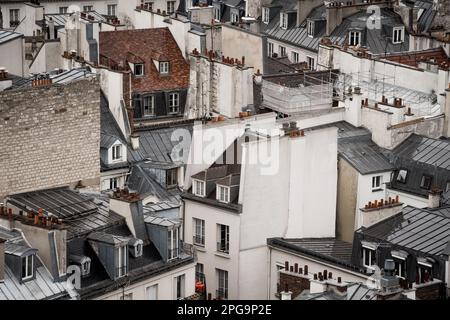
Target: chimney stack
pixel 135 141
pixel 434 198
pixel 286 294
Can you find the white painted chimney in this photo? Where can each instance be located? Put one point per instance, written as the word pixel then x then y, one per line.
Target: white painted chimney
pixel 135 141
pixel 434 198
pixel 286 295
pixel 51 28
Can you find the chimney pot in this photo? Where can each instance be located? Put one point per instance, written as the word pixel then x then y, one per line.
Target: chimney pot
pixel 306 270
pixel 286 265
pixel 296 267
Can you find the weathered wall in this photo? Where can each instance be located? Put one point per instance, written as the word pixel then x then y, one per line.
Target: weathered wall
pixel 346 201
pixel 49 136
pixel 11 56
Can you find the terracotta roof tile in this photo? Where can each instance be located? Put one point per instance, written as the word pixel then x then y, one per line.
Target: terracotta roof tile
pixel 147 44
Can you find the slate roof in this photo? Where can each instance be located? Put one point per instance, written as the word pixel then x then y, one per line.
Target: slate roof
pixel 42 287
pixel 156 144
pixel 6 36
pixel 141 180
pixel 330 249
pixel 364 155
pixel 57 78
pixel 146 44
pixel 421 230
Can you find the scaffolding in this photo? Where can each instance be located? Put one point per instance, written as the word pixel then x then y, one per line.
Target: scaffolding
pixel 374 86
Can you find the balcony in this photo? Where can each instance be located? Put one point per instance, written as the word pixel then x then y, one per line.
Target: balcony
pixel 223 247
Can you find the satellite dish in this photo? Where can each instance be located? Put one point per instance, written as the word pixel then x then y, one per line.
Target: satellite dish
pixel 73 8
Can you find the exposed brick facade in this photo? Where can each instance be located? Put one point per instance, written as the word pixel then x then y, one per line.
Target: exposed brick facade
pixel 296 283
pixel 50 136
pixel 432 291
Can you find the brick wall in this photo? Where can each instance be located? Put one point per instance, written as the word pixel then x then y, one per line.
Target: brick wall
pixel 432 291
pixel 295 283
pixel 49 136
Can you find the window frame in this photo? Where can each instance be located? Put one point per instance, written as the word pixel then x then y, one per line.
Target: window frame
pixel 295 57
pixel 403 181
pixel 356 35
pixel 217 13
pixel 223 193
pixel 116 156
pixel 111 9
pixel 164 67
pixel 282 51
pixel 122 261
pixel 28 267
pixel 401 32
pixel 195 183
pixel 199 226
pixel 180 283
pixel 14 16
pixel 174 108
pixel 380 183
pixel 310 61
pixel 223 243
pixel 173 173
pixel 283 20
pixel 142 73
pixel 151 106
pixel 88 6
pixel 447 186
pixel 222 283
pixel 113 183
pixel 400 271
pixel 310 28
pixel 372 257
pixel 147 291
pixel 173 241
pixel 63 10
pixel 266 15
pixel 423 178
pixel 270 49
pixel 170 8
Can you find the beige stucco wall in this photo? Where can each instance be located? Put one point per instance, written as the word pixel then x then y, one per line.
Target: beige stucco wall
pixel 346 200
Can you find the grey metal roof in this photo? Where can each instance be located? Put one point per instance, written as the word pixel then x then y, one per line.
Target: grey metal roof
pixel 426 14
pixel 108 238
pixel 364 155
pixel 421 230
pixel 376 39
pixel 156 145
pixel 6 36
pixel 160 206
pixel 161 221
pixel 434 152
pixel 141 181
pixel 42 287
pixel 107 140
pixel 328 248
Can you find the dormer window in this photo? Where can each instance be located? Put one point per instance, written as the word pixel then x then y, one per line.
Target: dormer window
pixel 234 17
pixel 173 238
pixel 266 15
pixel 283 20
pixel 217 14
pixel 28 267
pixel 116 152
pixel 164 67
pixel 136 247
pixel 223 194
pixel 171 177
pixel 121 261
pixel 84 263
pixel 354 38
pixel 198 188
pixel 398 35
pixel 310 28
pixel 402 174
pixel 425 182
pixel 139 69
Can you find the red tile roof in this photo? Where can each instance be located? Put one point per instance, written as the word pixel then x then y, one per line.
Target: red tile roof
pixel 147 45
pixel 414 58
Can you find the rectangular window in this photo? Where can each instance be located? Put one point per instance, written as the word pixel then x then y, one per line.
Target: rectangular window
pixel 171 177
pixel 170 7
pixel 283 20
pixel 174 103
pixel 14 18
pixel 376 183
pixel 121 261
pixel 199 232
pixel 172 244
pixel 447 186
pixel 27 267
pixel 222 284
pixel 310 61
pixel 425 182
pixel 149 106
pixel 199 188
pixel 266 15
pixel 234 17
pixel 217 14
pixel 200 272
pixel 368 257
pixel 401 176
pixel 127 296
pixel 152 292
pixel 295 57
pixel 116 152
pixel 139 69
pixel 223 194
pixel 63 10
pixel 179 287
pixel 270 49
pixel 112 9
pixel 88 8
pixel 397 36
pixel 400 268
pixel 354 38
pixel 310 28
pixel 113 183
pixel 164 67
pixel 424 272
pixel 223 241
pixel 282 51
